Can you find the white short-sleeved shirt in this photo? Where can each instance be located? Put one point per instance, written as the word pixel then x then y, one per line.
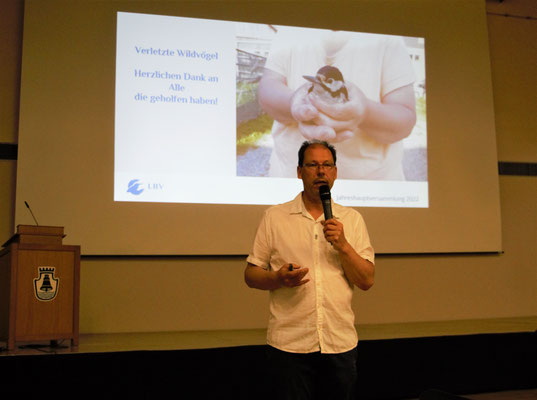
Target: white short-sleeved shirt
pixel 317 315
pixel 377 64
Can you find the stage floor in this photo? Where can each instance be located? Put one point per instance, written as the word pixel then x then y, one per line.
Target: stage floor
pixel 128 341
pixel 530 394
pixel 478 359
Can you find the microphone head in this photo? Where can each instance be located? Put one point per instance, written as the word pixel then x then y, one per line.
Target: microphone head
pixel 324 192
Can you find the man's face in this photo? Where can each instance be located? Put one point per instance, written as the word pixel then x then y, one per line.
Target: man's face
pixel 314 177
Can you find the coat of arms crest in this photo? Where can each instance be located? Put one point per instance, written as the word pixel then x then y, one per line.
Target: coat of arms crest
pixel 46 285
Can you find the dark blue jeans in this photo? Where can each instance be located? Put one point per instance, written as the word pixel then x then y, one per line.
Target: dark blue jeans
pixel 312 375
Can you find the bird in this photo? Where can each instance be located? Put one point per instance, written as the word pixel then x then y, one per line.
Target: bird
pixel 328 84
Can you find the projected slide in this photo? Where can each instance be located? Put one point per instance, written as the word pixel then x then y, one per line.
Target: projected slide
pixel 200 116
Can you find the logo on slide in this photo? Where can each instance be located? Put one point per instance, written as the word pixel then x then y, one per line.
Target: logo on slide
pixel 134 187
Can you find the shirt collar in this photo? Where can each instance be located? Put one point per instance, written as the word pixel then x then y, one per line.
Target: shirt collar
pixel 298 207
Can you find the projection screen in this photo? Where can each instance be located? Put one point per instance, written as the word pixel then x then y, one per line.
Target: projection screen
pixel 110 120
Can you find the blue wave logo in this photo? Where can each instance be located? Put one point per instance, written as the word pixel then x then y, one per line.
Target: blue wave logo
pixel 134 187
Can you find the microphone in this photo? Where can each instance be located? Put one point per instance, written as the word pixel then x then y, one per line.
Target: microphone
pixel 28 207
pixel 324 193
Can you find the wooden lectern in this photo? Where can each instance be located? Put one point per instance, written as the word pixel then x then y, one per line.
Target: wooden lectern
pixel 39 287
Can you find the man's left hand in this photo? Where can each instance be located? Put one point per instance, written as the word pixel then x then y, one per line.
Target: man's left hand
pixel 334 234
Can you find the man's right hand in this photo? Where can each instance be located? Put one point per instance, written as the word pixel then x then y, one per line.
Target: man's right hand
pixel 292 278
pixel 264 279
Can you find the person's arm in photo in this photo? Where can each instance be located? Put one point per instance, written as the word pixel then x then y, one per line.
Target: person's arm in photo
pixel 282 103
pixel 275 96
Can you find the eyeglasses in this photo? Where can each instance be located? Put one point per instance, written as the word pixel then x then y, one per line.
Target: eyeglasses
pixel 315 166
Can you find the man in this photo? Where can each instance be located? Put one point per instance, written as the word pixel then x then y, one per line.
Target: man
pixel 368 129
pixel 310 266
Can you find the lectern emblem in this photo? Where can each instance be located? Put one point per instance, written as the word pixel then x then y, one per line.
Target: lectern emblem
pixel 46 285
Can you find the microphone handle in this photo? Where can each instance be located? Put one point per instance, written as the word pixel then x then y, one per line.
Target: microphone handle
pixel 327 208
